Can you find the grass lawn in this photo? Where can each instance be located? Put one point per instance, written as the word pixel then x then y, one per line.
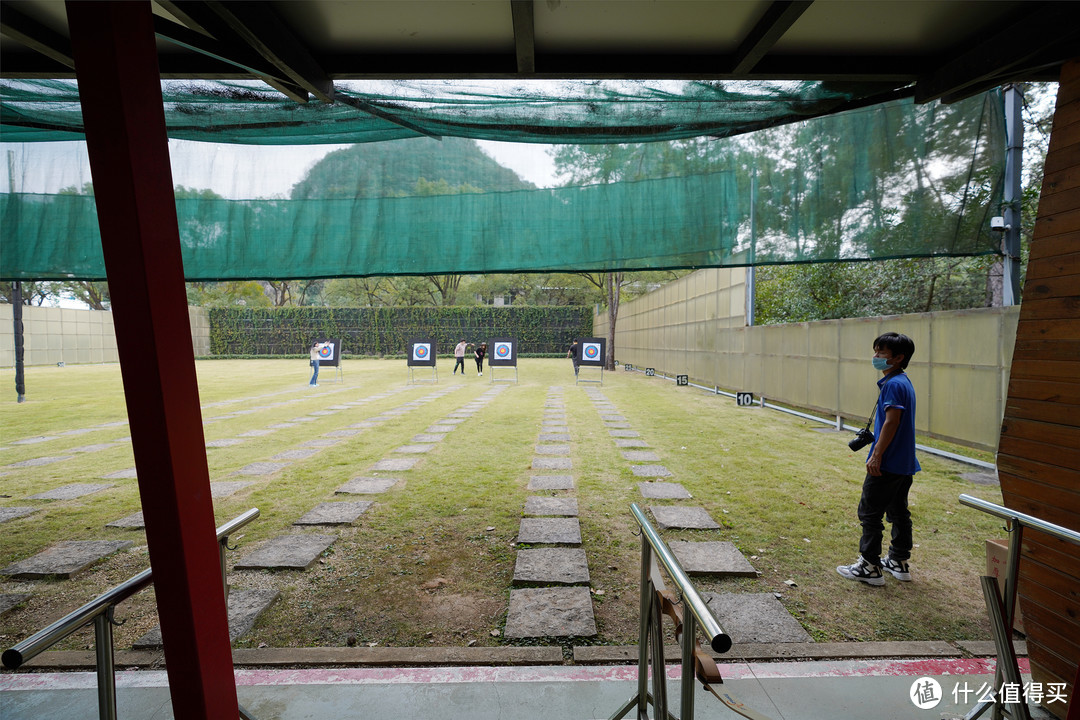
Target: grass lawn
pixel 432 561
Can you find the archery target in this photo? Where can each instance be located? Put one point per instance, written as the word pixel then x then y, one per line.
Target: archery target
pixel 502 353
pixel 421 352
pixel 329 353
pixel 591 351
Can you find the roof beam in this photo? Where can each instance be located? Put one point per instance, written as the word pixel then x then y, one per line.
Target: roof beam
pixel 258 25
pixel 778 17
pixel 32 34
pixel 524 35
pixel 1013 49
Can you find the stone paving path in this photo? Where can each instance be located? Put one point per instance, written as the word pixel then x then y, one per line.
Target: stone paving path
pixel 753 617
pixel 556 599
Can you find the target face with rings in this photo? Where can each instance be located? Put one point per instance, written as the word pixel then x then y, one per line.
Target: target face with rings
pixel 326 352
pixel 503 353
pixel 592 351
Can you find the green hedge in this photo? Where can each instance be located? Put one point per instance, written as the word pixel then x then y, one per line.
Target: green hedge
pixel 384 332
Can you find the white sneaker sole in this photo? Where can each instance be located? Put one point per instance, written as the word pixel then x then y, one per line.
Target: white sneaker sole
pixel 845 573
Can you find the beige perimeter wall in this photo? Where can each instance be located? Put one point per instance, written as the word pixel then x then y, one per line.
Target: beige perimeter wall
pixel 696 326
pixel 53 335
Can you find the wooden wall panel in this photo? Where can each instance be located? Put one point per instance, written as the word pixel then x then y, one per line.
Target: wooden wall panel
pixel 1039 451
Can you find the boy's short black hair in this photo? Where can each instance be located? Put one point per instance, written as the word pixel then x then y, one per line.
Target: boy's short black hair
pixel 897 344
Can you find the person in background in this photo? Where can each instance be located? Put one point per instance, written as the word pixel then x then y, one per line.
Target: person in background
pixel 890 468
pixel 479 353
pixel 459 357
pixel 315 363
pixel 572 353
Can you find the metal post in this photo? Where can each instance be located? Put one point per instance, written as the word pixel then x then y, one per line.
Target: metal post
pixel 643 629
pixel 17 322
pixel 1014 161
pixel 753 252
pixel 689 634
pixel 106 669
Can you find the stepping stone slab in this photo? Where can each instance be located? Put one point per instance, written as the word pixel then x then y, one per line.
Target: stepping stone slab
pixel 755 618
pixel 128 474
pixel 551 506
pixel 367 486
pixel 34 440
pixel 551 482
pixel 364 424
pixel 10 601
pixel 552 449
pixel 552 531
pixel 69 492
pixel 262 468
pixel 131 522
pixel 712 558
pixel 552 463
pixel 281 426
pixel 630 442
pixel 245 606
pixel 10 513
pixel 613 418
pixel 429 438
pixel 553 423
pixel 565 566
pixel 347 432
pixel 441 429
pixel 624 433
pixel 322 442
pixel 337 407
pixel 664 491
pixel 225 489
pixel 37 462
pixel 452 421
pixel 91 448
pixel 550 612
pixel 287 552
pixel 255 433
pixel 64 560
pixel 303 419
pixel 413 449
pixel 618 425
pixel 335 513
pixel 554 437
pixel 695 518
pixel 227 442
pixel 296 454
pixel 650 471
pixel 395 464
pixel 320 413
pixel 640 456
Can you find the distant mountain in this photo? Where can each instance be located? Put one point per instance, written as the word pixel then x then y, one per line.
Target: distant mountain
pixel 393 168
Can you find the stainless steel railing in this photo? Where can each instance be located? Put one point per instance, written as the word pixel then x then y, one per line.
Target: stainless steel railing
pixel 654 551
pixel 1002 608
pixel 100 612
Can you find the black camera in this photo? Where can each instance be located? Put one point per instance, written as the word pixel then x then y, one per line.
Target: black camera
pixel 862 438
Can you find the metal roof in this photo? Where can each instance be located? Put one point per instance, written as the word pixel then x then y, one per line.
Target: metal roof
pixel 945 49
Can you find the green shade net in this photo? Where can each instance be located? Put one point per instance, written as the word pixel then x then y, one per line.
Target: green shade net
pixel 891 180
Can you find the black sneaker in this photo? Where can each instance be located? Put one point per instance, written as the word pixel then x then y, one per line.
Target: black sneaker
pixel 899 569
pixel 863 572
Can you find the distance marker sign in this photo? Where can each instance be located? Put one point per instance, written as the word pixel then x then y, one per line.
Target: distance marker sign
pixel 421 353
pixel 744 399
pixel 591 351
pixel 502 352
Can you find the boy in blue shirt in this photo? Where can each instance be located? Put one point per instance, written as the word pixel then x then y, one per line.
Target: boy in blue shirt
pixel 889 468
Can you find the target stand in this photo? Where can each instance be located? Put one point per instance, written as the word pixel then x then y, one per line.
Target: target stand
pixel 591 353
pixel 421 354
pixel 503 354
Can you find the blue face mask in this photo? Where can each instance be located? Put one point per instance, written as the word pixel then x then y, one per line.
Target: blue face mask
pixel 880 364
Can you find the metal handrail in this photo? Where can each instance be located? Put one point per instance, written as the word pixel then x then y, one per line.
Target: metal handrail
pixel 20 653
pixel 1001 607
pixel 1029 521
pixel 718 639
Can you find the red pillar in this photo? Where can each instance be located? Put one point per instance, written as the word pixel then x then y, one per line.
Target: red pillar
pixel 119 88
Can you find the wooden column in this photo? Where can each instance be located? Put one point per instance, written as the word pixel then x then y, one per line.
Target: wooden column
pixel 120 91
pixel 1039 452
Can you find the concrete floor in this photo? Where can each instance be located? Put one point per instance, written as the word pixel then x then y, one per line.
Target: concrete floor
pixel 825 690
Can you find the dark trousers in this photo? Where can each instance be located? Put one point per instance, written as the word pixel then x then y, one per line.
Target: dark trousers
pixel 885 496
pixel 479 365
pixel 459 363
